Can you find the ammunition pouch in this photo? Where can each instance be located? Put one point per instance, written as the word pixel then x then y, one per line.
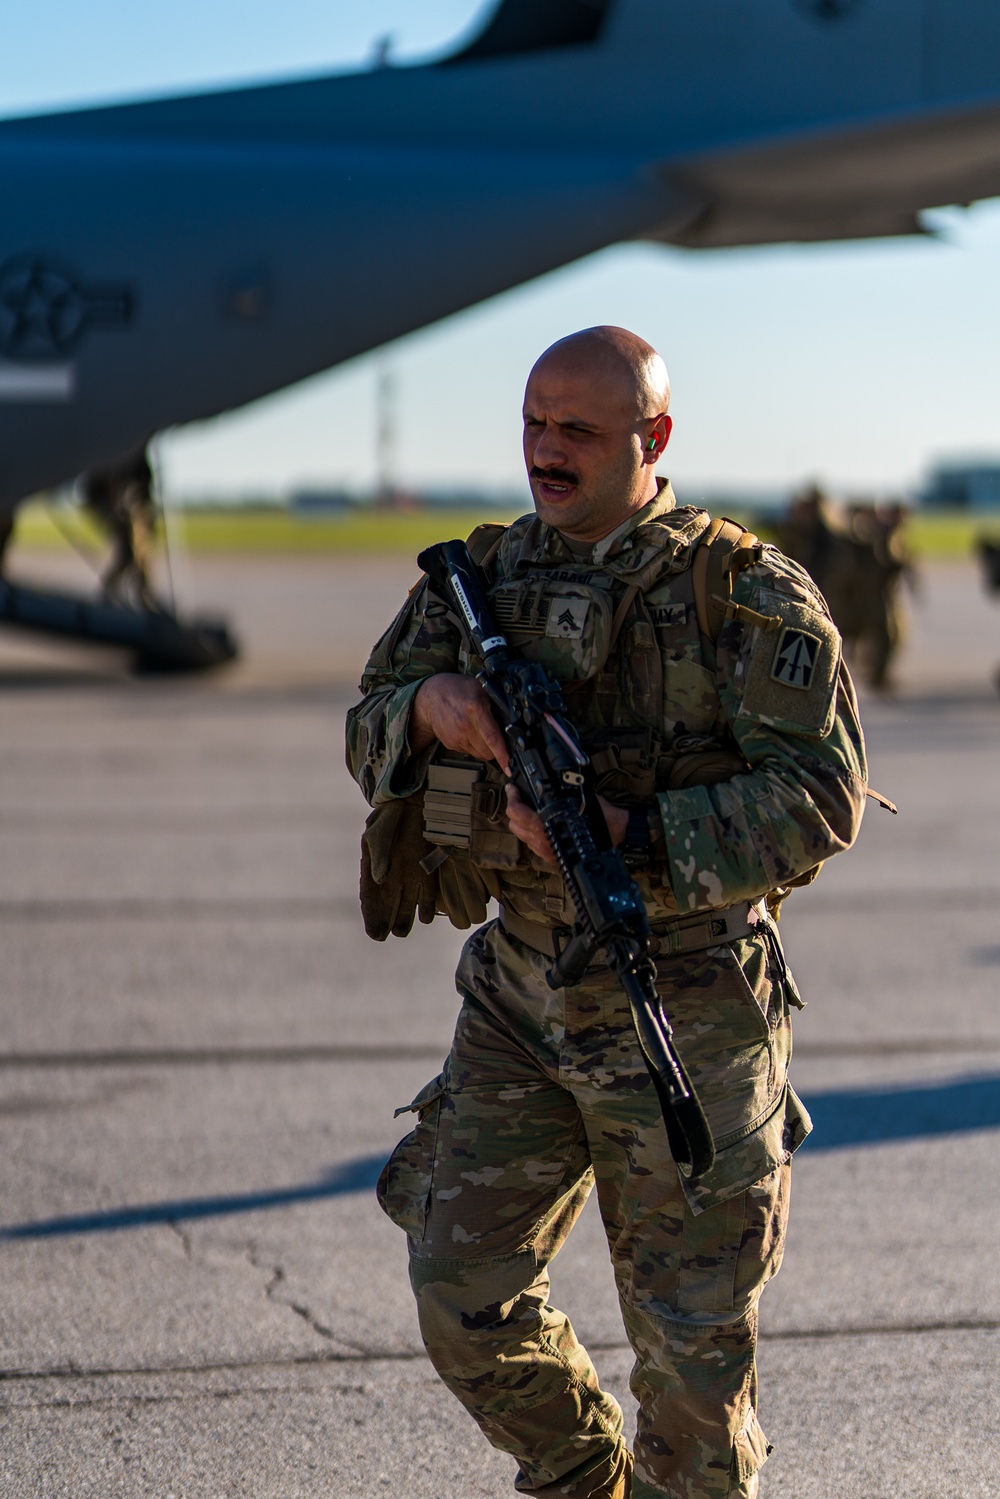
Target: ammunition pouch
pixel 704 768
pixel 626 766
pixel 630 767
pixel 465 810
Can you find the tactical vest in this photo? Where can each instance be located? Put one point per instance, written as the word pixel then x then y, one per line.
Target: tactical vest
pixel 611 647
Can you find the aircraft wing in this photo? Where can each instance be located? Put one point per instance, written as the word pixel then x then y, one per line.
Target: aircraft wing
pixel 862 182
pixel 167 260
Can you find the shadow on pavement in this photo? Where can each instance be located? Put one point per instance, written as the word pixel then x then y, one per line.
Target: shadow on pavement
pixel 871 1116
pixel 352 1176
pixel 842 1120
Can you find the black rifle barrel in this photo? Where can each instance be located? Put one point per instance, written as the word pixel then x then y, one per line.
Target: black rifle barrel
pixel 553 773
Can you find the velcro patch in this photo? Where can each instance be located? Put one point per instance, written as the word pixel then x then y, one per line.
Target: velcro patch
pixel 790 675
pixel 567 618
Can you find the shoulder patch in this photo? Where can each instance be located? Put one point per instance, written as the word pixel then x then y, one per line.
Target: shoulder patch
pixel 791 674
pixel 795 659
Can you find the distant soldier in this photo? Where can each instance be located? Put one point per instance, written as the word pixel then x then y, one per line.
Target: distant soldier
pixel 123 502
pixel 808 532
pixel 814 534
pixel 859 559
pixel 989 550
pixel 894 566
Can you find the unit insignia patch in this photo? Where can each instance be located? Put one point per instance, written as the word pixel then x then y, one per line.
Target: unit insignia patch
pixel 795 659
pixel 791 685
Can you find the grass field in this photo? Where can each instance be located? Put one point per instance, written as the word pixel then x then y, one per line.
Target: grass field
pixel 255 531
pixel 366 531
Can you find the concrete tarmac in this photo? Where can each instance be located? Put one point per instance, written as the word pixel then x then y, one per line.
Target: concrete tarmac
pixel 202 1053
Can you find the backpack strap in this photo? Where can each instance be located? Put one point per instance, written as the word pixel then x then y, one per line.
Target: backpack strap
pixel 484 542
pixel 628 598
pixel 724 549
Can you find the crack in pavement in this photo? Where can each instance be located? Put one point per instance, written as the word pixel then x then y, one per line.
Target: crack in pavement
pixel 279 1278
pixel 413 1355
pixel 184 1237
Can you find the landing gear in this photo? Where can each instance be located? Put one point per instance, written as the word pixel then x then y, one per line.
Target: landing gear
pixel 122 501
pixel 161 641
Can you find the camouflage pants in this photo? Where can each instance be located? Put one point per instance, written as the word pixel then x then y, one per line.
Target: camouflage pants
pixel 544 1095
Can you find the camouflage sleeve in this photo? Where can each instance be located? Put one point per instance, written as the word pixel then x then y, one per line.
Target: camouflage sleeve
pixel 420 642
pixel 789 701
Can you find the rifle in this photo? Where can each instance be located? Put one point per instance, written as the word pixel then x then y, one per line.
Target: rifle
pixel 553 773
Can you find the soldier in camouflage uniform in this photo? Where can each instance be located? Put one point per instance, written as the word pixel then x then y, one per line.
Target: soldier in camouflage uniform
pixel 123 501
pixel 544 1094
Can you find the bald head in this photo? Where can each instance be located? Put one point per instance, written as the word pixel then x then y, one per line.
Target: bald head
pixel 614 361
pixel 595 424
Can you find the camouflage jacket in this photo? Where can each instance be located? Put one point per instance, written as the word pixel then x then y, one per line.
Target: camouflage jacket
pixel 772 687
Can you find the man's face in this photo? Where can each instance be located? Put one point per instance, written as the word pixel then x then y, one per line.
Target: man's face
pixel 585 447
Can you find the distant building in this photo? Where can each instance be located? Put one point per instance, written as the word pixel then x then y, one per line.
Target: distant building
pixel 321 501
pixel 462 497
pixel 963 486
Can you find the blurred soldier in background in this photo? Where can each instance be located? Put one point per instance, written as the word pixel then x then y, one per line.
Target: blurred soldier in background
pixel 894 564
pixel 859 558
pixel 123 502
pixel 989 551
pixel 810 533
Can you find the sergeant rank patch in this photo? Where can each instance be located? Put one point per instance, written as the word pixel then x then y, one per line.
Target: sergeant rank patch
pixel 795 659
pixel 567 617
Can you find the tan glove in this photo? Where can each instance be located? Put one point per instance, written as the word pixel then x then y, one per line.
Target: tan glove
pixel 394 888
pixel 394 885
pixel 463 892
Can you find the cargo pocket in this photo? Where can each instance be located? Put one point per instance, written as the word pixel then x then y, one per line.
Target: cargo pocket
pixel 404 1186
pixel 753 1157
pixel 751 1450
pixel 731 1021
pixel 720 1003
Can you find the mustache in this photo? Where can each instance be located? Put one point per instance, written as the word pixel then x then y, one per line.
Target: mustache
pixel 553 475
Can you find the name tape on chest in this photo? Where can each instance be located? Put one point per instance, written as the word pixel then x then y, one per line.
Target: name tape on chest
pixel 666 615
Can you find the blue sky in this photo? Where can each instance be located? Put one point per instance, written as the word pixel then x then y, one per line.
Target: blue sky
pixel 861 364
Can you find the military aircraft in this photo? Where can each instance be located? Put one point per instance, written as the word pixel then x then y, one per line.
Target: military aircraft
pixel 164 261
